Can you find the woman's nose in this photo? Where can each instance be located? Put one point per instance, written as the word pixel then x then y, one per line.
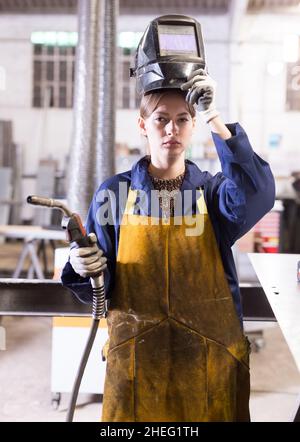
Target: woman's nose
pixel 171 128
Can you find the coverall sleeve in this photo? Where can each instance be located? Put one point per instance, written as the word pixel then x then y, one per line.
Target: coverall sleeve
pixel 81 287
pixel 245 190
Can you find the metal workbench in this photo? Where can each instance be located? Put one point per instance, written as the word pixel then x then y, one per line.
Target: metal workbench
pixel 277 274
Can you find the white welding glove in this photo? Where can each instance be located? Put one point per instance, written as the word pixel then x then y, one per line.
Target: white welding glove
pixel 201 92
pixel 88 261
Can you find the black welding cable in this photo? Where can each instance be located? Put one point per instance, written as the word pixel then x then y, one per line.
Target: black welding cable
pixel 77 236
pixel 98 311
pixel 83 362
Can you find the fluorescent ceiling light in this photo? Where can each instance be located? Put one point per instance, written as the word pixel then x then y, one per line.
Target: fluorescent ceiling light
pixel 129 39
pixel 55 38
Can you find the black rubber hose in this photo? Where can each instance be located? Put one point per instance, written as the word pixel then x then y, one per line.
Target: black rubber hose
pixel 83 362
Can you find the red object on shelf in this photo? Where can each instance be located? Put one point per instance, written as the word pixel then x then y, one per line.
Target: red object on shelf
pixel 268 229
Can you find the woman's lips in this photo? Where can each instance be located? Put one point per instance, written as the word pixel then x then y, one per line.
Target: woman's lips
pixel 171 143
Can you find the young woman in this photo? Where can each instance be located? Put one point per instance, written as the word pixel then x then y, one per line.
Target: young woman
pixel 162 233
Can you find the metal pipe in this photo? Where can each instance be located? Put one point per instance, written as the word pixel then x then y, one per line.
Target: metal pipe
pixel 82 169
pixel 92 149
pixel 107 90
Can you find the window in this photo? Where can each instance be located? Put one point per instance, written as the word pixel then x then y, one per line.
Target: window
pixel 293 85
pixel 53 75
pixel 54 69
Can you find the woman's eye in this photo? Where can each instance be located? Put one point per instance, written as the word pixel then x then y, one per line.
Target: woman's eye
pixel 160 119
pixel 183 120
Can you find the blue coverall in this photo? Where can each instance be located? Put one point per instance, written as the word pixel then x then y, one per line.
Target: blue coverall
pixel 236 199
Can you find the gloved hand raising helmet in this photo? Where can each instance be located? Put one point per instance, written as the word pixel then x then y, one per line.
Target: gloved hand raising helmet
pixel 88 261
pixel 201 92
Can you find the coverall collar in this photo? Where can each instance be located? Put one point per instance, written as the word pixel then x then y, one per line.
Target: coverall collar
pixel 140 178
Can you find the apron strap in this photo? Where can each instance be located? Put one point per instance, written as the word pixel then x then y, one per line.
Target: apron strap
pixel 201 204
pixel 131 199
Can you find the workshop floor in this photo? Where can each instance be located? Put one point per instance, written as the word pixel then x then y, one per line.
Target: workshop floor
pixel 25 370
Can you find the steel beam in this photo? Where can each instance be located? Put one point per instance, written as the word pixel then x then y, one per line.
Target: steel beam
pixel 24 297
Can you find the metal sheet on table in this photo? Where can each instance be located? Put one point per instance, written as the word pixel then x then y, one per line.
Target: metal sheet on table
pixel 277 274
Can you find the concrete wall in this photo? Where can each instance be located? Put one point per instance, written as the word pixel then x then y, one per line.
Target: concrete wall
pixel 262 96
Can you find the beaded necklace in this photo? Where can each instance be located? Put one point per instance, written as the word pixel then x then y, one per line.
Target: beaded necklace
pixel 167 189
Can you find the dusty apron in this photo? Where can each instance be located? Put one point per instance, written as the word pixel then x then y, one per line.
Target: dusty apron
pixel 177 352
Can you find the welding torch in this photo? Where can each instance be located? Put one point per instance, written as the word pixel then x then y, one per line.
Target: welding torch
pixel 77 237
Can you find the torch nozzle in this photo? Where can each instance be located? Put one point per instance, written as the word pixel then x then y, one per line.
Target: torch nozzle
pixel 40 201
pixel 48 202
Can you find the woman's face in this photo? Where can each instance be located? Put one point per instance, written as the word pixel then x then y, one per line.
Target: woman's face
pixel 169 128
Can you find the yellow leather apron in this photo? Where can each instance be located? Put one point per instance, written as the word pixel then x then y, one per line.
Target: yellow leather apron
pixel 177 352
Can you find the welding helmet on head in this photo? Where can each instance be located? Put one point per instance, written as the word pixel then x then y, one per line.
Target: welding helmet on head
pixel 170 49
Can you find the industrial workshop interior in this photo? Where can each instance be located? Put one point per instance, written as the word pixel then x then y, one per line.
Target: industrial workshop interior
pixel 102 104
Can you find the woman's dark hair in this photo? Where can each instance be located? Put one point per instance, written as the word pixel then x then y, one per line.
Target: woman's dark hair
pixel 150 101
